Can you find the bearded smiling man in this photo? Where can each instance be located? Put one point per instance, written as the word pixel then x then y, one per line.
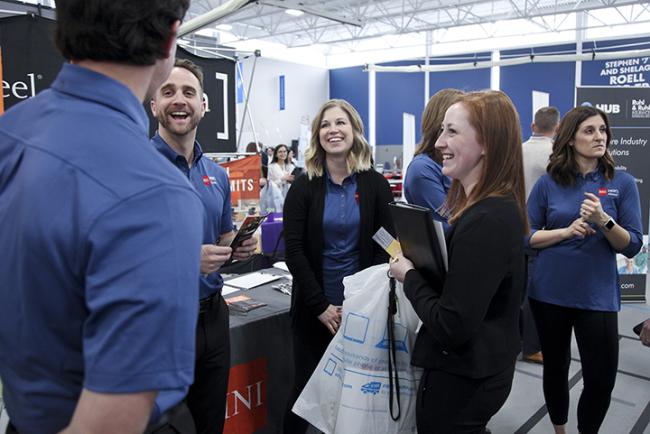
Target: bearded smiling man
pixel 178 105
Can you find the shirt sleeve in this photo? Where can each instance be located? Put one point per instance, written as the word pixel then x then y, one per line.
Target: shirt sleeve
pixel 425 185
pixel 480 254
pixel 141 291
pixel 296 215
pixel 537 206
pixel 226 225
pixel 629 216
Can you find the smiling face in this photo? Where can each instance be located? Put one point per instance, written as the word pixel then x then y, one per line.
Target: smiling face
pixel 590 139
pixel 462 154
pixel 335 133
pixel 178 105
pixel 281 153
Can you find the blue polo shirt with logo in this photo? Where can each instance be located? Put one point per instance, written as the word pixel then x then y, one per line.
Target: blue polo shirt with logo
pixel 581 272
pixel 101 247
pixel 211 183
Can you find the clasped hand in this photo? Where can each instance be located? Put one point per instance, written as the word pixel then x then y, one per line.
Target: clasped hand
pixel 331 318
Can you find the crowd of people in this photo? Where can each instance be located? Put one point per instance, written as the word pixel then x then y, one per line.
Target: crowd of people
pixel 112 318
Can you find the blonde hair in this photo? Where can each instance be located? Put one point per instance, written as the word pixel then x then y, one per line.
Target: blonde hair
pixel 360 155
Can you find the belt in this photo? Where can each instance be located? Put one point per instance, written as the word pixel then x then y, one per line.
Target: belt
pixel 206 304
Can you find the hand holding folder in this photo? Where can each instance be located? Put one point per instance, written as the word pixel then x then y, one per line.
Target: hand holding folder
pixel 420 242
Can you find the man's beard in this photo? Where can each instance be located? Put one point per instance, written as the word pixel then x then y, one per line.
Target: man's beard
pixel 178 130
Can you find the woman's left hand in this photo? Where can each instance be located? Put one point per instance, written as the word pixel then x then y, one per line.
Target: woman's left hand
pixel 399 266
pixel 591 210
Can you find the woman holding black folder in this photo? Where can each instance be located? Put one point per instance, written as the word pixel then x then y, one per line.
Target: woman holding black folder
pixel 469 340
pixel 330 216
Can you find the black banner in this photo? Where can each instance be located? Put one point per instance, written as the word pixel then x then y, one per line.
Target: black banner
pixel 30 63
pixel 216 132
pixel 628 110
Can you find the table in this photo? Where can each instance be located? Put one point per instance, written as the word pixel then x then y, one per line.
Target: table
pixel 261 373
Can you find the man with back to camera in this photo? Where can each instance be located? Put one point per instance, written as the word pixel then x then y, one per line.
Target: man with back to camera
pixel 536 152
pixel 97 316
pixel 179 106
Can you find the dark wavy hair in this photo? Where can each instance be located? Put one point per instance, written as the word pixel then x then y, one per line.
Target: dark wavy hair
pixel 126 31
pixel 563 165
pixel 275 153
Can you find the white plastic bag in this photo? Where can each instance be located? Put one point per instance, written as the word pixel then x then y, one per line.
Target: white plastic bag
pixel 271 198
pixel 349 391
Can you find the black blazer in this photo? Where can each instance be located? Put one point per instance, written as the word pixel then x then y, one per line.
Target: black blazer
pixel 471 322
pixel 303 234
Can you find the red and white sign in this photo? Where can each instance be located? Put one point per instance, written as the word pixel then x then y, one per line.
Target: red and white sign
pixel 246 402
pixel 244 175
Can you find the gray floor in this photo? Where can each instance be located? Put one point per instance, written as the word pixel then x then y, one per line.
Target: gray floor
pixel 524 412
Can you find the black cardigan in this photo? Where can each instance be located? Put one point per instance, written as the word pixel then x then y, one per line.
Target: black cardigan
pixel 303 234
pixel 471 322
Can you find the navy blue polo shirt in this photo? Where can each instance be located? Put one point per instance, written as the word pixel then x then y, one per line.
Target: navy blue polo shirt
pixel 581 272
pixel 101 247
pixel 341 228
pixel 211 183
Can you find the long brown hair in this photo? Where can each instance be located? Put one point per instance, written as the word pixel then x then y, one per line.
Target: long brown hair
pixel 360 155
pixel 563 166
pixel 432 117
pixel 493 116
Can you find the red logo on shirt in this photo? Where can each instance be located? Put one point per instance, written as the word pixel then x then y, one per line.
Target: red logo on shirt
pixel 209 180
pixel 602 192
pixel 206 180
pixel 356 196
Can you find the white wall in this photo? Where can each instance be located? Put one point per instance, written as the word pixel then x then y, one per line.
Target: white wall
pixel 306 89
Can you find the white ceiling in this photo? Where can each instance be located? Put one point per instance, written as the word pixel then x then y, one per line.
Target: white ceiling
pixel 346 32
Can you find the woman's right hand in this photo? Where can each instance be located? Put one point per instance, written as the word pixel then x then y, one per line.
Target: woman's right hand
pixel 579 228
pixel 331 318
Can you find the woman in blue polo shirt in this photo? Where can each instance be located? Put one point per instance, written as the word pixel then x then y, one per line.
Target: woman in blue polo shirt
pixel 424 184
pixel 582 212
pixel 330 216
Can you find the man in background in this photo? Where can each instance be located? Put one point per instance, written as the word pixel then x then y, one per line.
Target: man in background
pixel 179 106
pixel 536 152
pixel 98 313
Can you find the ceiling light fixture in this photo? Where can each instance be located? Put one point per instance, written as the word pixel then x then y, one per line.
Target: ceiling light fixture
pixel 224 27
pixel 294 12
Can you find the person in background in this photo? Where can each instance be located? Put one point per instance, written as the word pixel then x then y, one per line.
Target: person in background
pixel 178 105
pixel 281 169
pixel 582 212
pixel 425 185
pixel 469 340
pixel 536 150
pixel 330 216
pixel 87 210
pixel 252 147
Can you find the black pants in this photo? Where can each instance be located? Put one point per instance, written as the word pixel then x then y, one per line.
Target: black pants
pixel 453 404
pixel 308 349
pixel 597 337
pixel 207 396
pixel 529 335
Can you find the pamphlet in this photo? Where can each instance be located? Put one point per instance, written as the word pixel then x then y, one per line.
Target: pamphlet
pixel 243 303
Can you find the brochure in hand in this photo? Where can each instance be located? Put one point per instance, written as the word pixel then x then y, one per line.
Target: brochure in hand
pixel 419 240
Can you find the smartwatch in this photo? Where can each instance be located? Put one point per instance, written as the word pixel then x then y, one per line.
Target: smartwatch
pixel 609 224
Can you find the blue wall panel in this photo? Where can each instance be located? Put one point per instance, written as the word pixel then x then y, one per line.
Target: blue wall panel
pixel 398 93
pixel 632 72
pixel 351 84
pixel 557 79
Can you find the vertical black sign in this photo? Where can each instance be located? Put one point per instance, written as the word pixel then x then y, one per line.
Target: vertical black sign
pixel 30 61
pixel 628 110
pixel 216 132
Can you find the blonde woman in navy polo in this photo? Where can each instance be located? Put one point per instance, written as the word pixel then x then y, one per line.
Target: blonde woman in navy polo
pixel 582 212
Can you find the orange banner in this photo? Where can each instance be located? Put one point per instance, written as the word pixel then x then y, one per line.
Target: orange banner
pixel 244 175
pixel 246 402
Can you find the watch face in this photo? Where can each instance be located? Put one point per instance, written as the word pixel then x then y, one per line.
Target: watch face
pixel 610 224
